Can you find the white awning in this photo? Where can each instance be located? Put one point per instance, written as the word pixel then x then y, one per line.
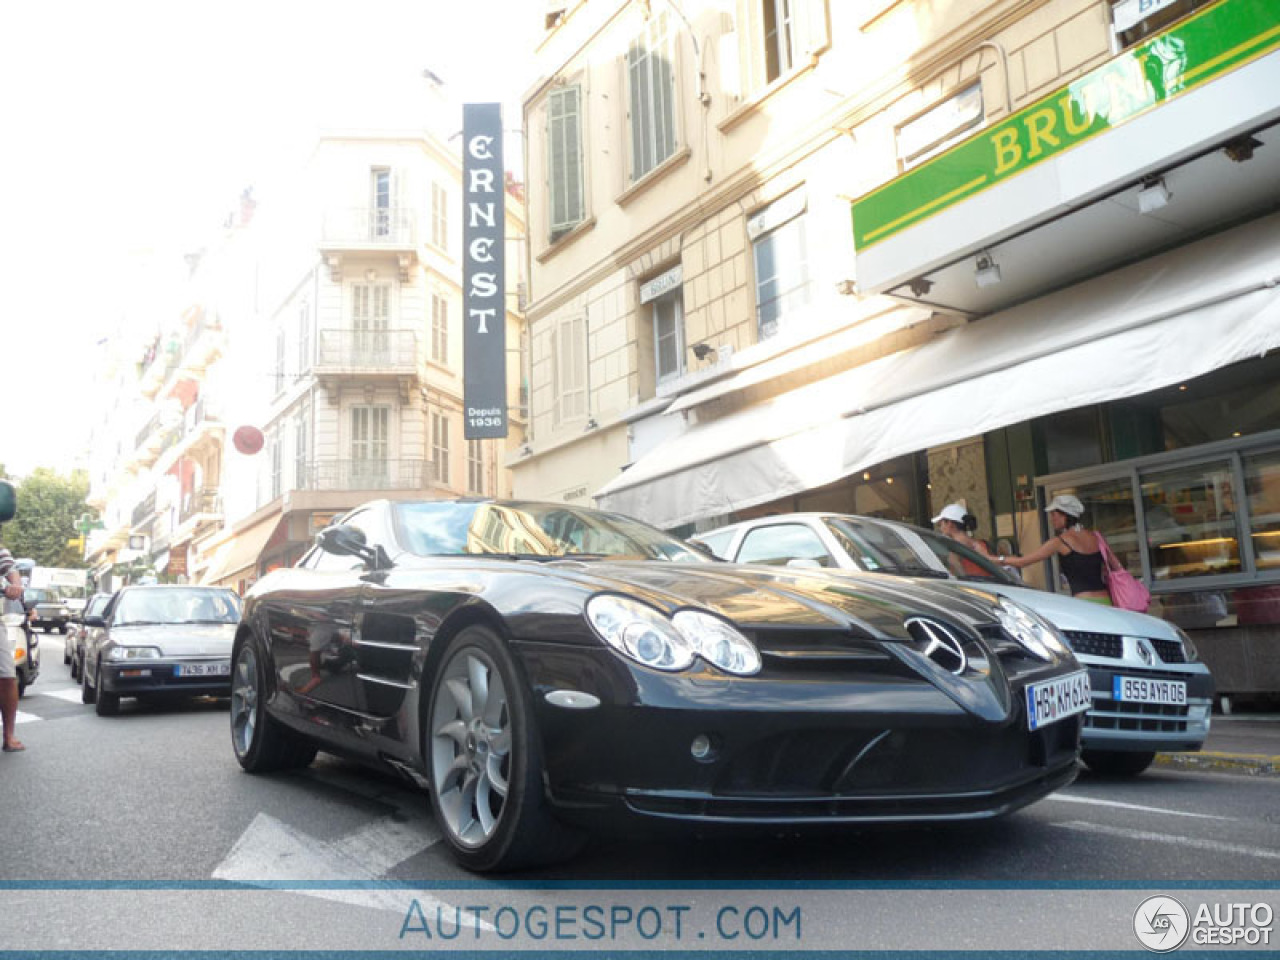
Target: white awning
pixel 1155 323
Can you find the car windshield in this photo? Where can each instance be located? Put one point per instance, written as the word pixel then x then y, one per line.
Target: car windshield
pixel 532 530
pixel 40 595
pixel 881 548
pixel 176 605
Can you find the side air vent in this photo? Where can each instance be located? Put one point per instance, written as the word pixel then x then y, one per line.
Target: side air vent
pixel 939 642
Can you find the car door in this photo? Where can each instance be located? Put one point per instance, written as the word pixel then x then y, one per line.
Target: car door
pixel 310 626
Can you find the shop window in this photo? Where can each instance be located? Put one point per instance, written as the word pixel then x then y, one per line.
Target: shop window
pixel 1192 528
pixel 1262 487
pixel 778 543
pixel 651 84
pixel 1072 439
pixel 780 254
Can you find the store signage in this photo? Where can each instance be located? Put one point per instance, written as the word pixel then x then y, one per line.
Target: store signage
pixel 1215 41
pixel 484 337
pixel 660 285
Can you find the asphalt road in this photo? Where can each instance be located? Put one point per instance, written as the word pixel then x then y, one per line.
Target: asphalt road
pixel 155 796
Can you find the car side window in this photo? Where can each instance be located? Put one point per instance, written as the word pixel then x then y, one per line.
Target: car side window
pixel 780 542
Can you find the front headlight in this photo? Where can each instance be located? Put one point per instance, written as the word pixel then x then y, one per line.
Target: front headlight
pixel 134 653
pixel 718 642
pixel 1188 647
pixel 639 632
pixel 1031 631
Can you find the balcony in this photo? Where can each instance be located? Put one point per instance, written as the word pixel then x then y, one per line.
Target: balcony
pixel 365 230
pixel 144 511
pixel 201 430
pixel 369 356
pixel 202 344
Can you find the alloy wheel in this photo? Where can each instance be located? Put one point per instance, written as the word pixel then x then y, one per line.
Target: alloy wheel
pixel 244 700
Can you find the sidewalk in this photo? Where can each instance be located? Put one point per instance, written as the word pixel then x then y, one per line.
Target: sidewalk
pixel 1241 743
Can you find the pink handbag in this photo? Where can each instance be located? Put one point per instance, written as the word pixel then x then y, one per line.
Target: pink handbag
pixel 1127 591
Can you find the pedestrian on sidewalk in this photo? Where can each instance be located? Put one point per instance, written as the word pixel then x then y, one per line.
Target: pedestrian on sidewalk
pixel 8 672
pixel 1078 548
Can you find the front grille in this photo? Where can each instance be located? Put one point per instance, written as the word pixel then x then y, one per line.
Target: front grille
pixel 1095 644
pixel 1140 717
pixel 1170 650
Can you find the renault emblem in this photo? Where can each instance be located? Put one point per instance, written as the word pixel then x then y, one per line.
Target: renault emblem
pixel 1145 652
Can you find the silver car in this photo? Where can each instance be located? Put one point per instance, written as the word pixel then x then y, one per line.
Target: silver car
pixel 1150 692
pixel 158 642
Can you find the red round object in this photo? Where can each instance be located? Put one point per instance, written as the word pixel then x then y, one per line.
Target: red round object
pixel 248 440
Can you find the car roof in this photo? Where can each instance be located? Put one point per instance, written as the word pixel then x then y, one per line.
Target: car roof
pixel 805 515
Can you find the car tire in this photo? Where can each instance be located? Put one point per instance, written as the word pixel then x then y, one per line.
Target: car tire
pixel 75 668
pixel 1116 763
pixel 476 751
pixel 66 654
pixel 106 704
pixel 88 692
pixel 261 743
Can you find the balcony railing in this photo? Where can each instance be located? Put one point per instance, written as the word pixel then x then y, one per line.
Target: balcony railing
pixel 145 510
pixel 199 413
pixel 204 501
pixel 368 351
pixel 366 475
pixel 152 425
pixel 370 226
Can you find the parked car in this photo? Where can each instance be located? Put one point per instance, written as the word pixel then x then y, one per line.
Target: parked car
pixel 158 642
pixel 1150 692
pixel 541 668
pixel 78 633
pixel 52 612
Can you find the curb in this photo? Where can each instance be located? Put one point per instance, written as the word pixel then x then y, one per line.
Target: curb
pixel 1249 764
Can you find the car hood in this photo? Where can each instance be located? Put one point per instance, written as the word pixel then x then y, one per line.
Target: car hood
pixel 179 639
pixel 753 595
pixel 1068 613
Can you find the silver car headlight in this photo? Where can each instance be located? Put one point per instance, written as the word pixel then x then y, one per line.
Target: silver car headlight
pixel 1035 634
pixel 134 653
pixel 639 632
pixel 1188 647
pixel 718 643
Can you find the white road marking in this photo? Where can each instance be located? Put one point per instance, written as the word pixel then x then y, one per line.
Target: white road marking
pixel 272 853
pixel 26 717
pixel 1093 801
pixel 1178 841
pixel 69 694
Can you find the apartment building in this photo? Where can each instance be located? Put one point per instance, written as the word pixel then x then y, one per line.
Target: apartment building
pixel 318 365
pixel 881 255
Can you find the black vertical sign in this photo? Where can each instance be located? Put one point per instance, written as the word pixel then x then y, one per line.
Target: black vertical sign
pixel 484 338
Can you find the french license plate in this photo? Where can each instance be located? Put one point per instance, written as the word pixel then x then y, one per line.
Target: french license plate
pixel 221 668
pixel 1054 700
pixel 1147 690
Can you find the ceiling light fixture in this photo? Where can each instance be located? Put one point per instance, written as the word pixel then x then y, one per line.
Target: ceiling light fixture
pixel 987 271
pixel 920 286
pixel 1153 195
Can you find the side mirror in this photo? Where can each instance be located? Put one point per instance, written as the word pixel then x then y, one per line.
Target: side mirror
pixel 701 548
pixel 345 540
pixel 8 501
pixel 98 622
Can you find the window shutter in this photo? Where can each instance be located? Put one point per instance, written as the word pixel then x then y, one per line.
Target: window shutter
pixel 811 23
pixel 564 166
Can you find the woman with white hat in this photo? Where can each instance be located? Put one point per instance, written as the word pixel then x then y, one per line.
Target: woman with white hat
pixel 1079 553
pixel 957 523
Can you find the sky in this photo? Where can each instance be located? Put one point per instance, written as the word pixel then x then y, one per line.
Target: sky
pixel 131 128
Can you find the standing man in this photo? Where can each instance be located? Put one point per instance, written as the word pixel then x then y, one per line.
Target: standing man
pixel 8 673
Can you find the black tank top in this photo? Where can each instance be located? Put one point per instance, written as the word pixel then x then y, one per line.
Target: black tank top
pixel 1083 570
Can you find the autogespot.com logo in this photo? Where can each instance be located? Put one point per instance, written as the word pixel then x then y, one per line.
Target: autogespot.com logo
pixel 1161 923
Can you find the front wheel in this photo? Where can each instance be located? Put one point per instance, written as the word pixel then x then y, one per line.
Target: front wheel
pixel 1115 763
pixel 88 692
pixel 107 704
pixel 261 743
pixel 484 760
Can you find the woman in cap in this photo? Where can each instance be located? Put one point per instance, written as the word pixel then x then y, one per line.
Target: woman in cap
pixel 957 523
pixel 1079 554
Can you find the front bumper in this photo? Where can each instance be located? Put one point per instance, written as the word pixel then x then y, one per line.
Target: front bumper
pixel 1140 727
pixel 147 677
pixel 785 751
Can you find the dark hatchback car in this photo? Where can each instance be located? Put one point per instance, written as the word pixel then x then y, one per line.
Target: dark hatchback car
pixel 79 636
pixel 541 668
pixel 160 642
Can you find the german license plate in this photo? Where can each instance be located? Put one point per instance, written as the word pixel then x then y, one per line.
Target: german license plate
pixel 1147 690
pixel 1054 700
pixel 220 668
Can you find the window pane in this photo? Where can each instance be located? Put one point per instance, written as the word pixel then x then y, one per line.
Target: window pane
pixel 1262 486
pixel 775 545
pixel 782 275
pixel 1191 521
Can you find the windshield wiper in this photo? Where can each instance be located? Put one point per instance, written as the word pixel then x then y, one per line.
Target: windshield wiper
pixel 140 623
pixel 208 621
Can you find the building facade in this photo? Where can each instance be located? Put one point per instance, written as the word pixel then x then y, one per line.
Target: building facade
pixel 332 375
pixel 880 256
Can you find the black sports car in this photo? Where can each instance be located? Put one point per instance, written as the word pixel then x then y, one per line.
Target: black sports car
pixel 540 667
